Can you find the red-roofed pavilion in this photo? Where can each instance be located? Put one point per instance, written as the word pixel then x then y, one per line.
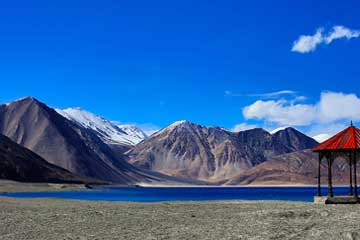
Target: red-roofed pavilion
pixel 345 144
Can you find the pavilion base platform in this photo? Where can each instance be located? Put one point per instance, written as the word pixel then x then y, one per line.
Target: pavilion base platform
pixel 336 200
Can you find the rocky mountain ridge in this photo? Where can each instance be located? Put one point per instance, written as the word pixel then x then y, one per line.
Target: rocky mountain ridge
pixel 84 144
pixel 213 153
pixel 61 142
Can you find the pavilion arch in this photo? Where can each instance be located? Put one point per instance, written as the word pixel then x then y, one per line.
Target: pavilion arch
pixel 346 145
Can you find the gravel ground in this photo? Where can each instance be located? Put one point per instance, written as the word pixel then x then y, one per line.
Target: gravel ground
pixel 66 219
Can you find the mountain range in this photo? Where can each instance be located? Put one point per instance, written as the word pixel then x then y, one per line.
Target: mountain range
pixel 90 146
pixel 67 144
pixel 211 153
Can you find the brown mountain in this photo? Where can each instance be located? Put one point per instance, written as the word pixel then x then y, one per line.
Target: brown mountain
pixel 293 140
pixel 292 168
pixel 20 164
pixel 41 129
pixel 212 153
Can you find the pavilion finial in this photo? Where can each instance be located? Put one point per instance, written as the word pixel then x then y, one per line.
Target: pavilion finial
pixel 351 123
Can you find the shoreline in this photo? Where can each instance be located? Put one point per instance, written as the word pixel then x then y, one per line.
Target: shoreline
pixel 232 186
pixel 12 186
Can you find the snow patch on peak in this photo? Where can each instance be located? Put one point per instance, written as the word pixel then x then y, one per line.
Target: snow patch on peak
pixel 171 127
pixel 321 137
pixel 277 130
pixel 20 99
pixel 133 131
pixel 177 123
pixel 108 131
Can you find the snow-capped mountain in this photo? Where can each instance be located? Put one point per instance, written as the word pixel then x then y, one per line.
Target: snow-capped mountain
pixel 277 130
pixel 109 132
pixel 133 131
pixel 321 137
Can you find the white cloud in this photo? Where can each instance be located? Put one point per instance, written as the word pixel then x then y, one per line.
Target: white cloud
pixel 336 106
pixel 331 108
pixel 308 43
pixel 299 99
pixel 341 32
pixel 242 127
pixel 281 112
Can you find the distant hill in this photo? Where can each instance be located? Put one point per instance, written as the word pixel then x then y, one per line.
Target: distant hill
pixel 20 164
pixel 297 167
pixel 212 153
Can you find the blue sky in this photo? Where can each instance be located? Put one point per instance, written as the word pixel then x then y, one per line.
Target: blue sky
pixel 155 62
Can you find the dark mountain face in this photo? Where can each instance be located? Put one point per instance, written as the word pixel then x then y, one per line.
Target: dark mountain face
pixel 213 154
pixel 20 164
pixel 41 129
pixel 294 140
pixel 263 145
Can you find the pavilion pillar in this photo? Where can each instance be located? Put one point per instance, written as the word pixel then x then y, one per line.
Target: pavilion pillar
pixel 319 177
pixel 330 188
pixel 355 176
pixel 351 184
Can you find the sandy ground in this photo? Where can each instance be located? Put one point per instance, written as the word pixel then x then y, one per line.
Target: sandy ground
pixel 65 219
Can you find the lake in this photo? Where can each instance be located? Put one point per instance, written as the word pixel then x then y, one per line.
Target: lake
pixel 159 194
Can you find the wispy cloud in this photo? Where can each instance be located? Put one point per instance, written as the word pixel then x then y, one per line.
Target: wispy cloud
pixel 308 43
pixel 231 94
pixel 261 95
pixel 274 94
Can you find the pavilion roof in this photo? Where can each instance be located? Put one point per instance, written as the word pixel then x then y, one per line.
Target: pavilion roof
pixel 348 139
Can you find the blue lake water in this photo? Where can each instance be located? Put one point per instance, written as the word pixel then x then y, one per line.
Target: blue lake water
pixel 154 194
